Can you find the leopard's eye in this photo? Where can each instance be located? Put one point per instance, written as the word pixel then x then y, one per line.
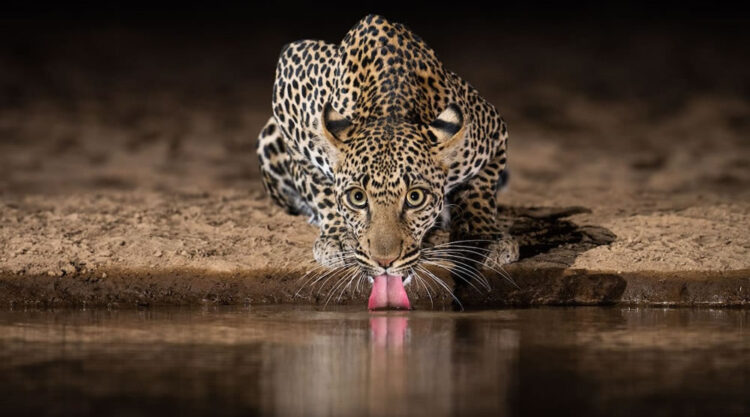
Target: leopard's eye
pixel 356 198
pixel 415 198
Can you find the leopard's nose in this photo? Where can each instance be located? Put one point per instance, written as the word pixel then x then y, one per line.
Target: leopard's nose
pixel 385 262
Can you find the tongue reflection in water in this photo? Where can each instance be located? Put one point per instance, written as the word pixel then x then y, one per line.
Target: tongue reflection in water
pixel 388 332
pixel 388 292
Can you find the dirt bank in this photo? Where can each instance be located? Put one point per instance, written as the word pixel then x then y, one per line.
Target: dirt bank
pixel 124 249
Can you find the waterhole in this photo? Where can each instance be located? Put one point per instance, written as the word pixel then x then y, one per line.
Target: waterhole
pixel 287 361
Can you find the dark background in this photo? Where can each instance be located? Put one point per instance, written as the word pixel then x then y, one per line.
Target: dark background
pixel 243 39
pixel 262 10
pixel 179 90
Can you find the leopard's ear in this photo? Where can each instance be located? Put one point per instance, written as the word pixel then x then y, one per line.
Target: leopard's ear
pixel 335 130
pixel 447 132
pixel 336 127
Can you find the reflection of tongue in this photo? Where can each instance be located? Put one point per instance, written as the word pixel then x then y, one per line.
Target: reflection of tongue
pixel 388 291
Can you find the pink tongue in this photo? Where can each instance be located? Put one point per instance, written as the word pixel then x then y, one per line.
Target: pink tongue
pixel 388 291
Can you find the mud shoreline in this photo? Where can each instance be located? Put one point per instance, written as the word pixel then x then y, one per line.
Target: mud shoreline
pixel 113 288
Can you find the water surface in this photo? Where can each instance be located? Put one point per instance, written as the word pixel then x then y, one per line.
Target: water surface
pixel 288 361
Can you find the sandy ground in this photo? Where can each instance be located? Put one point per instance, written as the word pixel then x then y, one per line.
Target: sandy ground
pixel 120 184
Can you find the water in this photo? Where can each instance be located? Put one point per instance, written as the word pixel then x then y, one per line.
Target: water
pixel 288 361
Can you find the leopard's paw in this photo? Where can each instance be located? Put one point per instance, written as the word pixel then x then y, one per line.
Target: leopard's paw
pixel 501 252
pixel 333 251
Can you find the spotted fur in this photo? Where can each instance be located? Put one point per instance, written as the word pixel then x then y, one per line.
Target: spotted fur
pixel 379 113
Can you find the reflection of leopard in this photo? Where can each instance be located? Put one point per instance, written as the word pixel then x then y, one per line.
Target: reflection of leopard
pixel 374 139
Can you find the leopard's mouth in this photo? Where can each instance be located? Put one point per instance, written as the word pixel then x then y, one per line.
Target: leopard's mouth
pixel 388 293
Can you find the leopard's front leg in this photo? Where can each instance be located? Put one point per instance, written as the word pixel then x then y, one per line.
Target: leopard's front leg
pixel 475 231
pixel 334 246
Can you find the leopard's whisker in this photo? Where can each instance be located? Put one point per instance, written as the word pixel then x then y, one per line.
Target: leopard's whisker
pixel 362 279
pixel 341 283
pixel 342 257
pixel 504 273
pixel 464 241
pixel 335 263
pixel 356 274
pixel 403 268
pixel 325 276
pixel 467 269
pixel 318 269
pixel 331 290
pixel 359 281
pixel 464 249
pixel 485 259
pixel 347 280
pixel 461 261
pixel 336 275
pixel 419 280
pixel 459 248
pixel 459 274
pixel 442 284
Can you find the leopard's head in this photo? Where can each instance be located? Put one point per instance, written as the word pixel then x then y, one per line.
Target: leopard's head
pixel 390 179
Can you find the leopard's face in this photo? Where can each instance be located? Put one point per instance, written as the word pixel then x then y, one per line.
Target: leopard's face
pixel 389 189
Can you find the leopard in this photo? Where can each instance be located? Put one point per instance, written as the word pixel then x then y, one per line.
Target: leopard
pixel 379 145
